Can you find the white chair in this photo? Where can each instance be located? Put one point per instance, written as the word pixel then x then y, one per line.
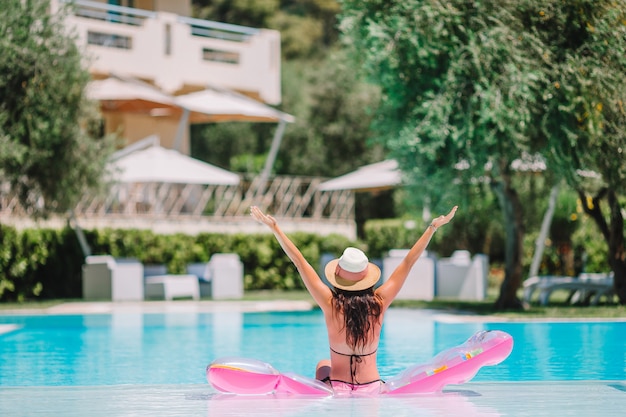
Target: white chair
pixel 107 278
pixel 585 287
pixel 462 277
pixel 202 270
pixel 169 287
pixel 420 283
pixel 226 272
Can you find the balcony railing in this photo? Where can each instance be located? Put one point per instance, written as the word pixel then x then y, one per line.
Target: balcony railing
pixel 110 12
pixel 176 51
pixel 217 30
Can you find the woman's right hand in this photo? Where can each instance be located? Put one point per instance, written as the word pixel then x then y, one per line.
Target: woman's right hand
pixel 441 220
pixel 261 217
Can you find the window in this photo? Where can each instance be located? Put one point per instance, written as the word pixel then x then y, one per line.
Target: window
pixel 168 39
pixel 216 55
pixel 109 40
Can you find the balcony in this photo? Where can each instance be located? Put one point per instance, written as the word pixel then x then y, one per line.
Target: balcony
pixel 177 53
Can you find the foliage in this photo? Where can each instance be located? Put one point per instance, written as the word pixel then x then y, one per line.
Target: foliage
pixel 472 230
pixel 459 95
pixel 47 152
pixel 38 263
pixel 332 106
pixel 307 27
pixel 458 85
pixel 232 146
pixel 470 87
pixel 46 263
pixel 383 235
pixel 330 137
pixel 253 13
pixel 584 117
pixel 591 248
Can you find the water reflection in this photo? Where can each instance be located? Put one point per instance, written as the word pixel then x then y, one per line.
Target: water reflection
pixel 226 333
pixel 448 403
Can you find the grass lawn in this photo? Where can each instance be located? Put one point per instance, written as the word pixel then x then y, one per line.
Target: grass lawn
pixel 558 308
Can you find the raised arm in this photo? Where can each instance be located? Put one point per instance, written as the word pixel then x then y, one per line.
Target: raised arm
pixel 316 287
pixel 390 289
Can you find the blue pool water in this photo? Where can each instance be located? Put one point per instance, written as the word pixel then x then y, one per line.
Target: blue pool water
pixel 174 348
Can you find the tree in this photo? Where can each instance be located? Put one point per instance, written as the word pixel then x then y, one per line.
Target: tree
pixel 330 137
pixel 307 27
pixel 47 153
pixel 584 120
pixel 460 89
pixel 333 109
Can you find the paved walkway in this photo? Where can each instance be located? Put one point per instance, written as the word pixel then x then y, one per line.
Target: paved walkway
pixel 177 306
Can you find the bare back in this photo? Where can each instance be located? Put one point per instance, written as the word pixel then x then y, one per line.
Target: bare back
pixel 344 360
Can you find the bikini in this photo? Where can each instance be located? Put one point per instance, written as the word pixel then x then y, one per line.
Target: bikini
pixel 353 385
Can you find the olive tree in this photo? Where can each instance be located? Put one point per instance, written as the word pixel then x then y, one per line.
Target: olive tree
pixel 584 118
pixel 460 90
pixel 48 153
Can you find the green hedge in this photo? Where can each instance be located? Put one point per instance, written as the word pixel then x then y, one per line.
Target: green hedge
pixel 47 263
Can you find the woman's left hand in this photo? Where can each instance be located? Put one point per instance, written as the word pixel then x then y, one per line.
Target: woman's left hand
pixel 261 217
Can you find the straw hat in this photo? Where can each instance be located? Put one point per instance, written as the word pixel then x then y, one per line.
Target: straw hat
pixel 352 272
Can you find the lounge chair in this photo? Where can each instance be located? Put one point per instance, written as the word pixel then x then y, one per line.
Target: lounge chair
pixel 161 285
pixel 202 270
pixel 107 278
pixel 584 288
pixel 221 277
pixel 226 272
pixel 169 287
pixel 462 277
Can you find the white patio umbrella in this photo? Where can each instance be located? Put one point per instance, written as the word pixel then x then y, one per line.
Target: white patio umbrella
pixel 157 164
pixel 213 105
pixel 374 177
pixel 217 105
pixel 210 105
pixel 130 95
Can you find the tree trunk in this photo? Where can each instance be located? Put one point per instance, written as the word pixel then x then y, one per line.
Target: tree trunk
pixel 540 243
pixel 613 233
pixel 514 227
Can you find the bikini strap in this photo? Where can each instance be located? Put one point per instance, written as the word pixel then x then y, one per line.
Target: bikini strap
pixel 354 360
pixel 353 354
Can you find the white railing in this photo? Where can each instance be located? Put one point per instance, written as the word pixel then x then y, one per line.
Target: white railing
pixel 176 51
pixel 217 30
pixel 110 12
pixel 165 207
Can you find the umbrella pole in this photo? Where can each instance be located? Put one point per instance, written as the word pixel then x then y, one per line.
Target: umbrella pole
pixel 180 132
pixel 73 222
pixel 271 157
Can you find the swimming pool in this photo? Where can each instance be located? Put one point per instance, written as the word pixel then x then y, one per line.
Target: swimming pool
pixel 137 348
pixel 144 358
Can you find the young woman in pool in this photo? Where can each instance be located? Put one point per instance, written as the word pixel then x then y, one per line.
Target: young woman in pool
pixel 353 309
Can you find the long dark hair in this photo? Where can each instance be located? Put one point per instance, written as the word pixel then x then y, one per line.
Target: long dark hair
pixel 361 311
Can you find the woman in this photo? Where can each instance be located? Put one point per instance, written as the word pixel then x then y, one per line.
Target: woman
pixel 353 309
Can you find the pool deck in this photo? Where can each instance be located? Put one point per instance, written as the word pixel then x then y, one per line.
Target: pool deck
pixel 177 306
pixel 536 399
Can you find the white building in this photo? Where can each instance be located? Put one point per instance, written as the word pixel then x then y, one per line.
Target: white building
pixel 155 71
pixel 157 42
